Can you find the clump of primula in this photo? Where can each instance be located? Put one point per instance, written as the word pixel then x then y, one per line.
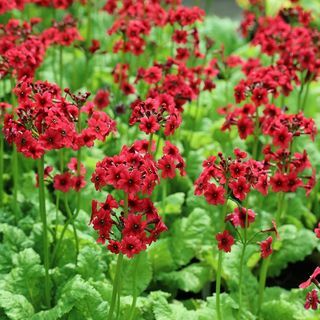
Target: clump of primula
pixel 135 172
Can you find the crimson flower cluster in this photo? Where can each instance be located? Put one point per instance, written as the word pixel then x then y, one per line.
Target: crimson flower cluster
pixel 153 114
pixel 133 170
pixel 223 176
pixel 171 161
pixel 126 233
pixel 70 179
pixel 136 19
pixel 46 121
pixel 62 33
pixel 21 49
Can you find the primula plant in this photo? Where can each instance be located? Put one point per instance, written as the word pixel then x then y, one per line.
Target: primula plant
pixel 158 162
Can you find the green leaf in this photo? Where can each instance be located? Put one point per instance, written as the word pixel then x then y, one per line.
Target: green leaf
pixel 27 277
pixel 15 306
pixel 139 267
pixel 91 256
pixel 160 256
pixel 189 234
pixel 282 304
pixel 14 237
pixel 295 246
pixel 191 278
pixel 173 204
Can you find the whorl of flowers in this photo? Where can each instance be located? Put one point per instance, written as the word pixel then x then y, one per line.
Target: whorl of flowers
pixel 44 120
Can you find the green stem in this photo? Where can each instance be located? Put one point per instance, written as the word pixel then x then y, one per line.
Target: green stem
pixel 256 136
pixel 43 215
pixel 305 98
pixel 300 91
pixel 71 219
pixel 244 245
pixel 266 262
pixel 14 159
pixel 1 168
pixel 117 278
pixel 79 164
pixel 280 206
pixel 57 213
pixel 60 66
pixel 134 285
pixel 262 281
pixel 150 144
pixel 164 195
pixel 219 270
pixel 116 285
pixel 58 245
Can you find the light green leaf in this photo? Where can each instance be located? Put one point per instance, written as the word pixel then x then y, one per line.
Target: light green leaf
pixel 15 306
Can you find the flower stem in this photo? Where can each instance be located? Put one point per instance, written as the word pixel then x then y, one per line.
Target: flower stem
pixel 280 206
pixel 116 285
pixel 256 136
pixel 219 270
pixel 305 98
pixel 1 169
pixel 60 66
pixel 134 287
pixel 262 281
pixel 43 215
pixel 150 144
pixel 14 159
pixel 266 262
pixel 244 245
pixel 71 219
pixel 117 278
pixel 79 165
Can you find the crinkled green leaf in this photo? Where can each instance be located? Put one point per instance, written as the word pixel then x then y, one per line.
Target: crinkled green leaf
pixel 15 306
pixel 139 267
pixel 295 246
pixel 191 278
pixel 88 257
pixel 189 234
pixel 160 256
pixel 26 277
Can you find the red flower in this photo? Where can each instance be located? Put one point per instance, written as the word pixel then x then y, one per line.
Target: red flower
pixel 265 247
pixel 152 75
pixel 166 164
pixel 282 137
pixel 101 100
pixel 134 225
pixel 245 127
pixel 114 246
pixel 240 188
pixel 63 182
pixel 149 125
pixel 259 96
pixel 130 245
pixel 130 181
pixel 225 241
pixel 239 217
pixel 312 300
pixel 312 279
pixel 278 182
pixel 215 195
